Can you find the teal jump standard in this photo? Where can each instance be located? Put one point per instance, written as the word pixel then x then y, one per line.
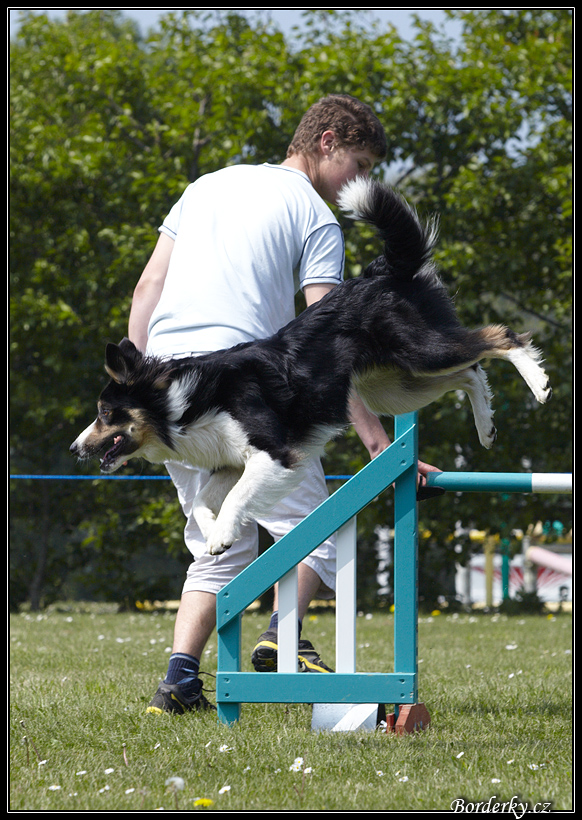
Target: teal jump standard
pixel 397 464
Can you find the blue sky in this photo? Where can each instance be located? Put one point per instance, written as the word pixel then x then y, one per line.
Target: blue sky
pixel 286 18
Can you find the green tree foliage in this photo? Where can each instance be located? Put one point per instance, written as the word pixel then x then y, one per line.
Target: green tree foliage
pixel 108 127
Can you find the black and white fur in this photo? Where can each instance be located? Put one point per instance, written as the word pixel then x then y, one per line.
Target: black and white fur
pixel 254 413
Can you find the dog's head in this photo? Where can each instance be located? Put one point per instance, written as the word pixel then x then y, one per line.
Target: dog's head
pixel 128 409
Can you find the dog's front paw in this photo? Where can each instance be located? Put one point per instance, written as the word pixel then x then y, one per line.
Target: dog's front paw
pixel 220 539
pixel 216 549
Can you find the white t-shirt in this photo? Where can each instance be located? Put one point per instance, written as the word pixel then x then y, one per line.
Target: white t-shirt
pixel 247 238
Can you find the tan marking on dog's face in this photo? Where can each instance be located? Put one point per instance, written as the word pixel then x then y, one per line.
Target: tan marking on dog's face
pixel 115 442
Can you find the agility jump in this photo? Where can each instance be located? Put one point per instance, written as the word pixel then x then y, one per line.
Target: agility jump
pixel 396 465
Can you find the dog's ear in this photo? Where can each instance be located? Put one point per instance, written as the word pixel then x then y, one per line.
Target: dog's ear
pixel 129 350
pixel 121 359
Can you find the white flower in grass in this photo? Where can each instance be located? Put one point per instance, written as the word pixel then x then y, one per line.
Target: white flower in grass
pixel 54 788
pixel 129 791
pixel 224 789
pixel 495 780
pixel 109 771
pixel 176 783
pixel 297 765
pixel 225 748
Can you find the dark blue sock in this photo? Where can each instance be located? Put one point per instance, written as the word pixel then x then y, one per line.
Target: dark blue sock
pixel 274 623
pixel 183 670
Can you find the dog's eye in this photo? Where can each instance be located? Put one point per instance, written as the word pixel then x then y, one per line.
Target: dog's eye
pixel 104 412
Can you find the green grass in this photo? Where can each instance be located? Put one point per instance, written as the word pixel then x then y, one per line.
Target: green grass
pixel 81 740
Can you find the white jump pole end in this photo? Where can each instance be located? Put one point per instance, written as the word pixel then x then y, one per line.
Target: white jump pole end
pixel 344 717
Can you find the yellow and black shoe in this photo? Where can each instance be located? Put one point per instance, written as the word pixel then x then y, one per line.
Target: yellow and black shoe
pixel 264 656
pixel 309 660
pixel 170 698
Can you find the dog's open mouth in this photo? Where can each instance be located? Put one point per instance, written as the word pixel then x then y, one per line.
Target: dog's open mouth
pixel 108 460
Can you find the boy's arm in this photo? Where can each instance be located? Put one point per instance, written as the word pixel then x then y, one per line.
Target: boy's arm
pixel 148 291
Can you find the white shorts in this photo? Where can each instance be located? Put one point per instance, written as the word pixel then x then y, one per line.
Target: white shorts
pixel 209 573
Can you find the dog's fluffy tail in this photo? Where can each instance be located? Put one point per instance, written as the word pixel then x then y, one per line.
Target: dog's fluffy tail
pixel 408 243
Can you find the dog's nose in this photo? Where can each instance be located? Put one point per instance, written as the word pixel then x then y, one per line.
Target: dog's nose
pixel 73 447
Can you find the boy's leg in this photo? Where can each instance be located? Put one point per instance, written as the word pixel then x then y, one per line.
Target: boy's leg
pixel 195 621
pixel 181 690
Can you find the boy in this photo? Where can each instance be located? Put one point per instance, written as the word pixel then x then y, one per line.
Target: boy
pixel 231 254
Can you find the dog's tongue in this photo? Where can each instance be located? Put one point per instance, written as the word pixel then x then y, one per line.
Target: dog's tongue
pixel 110 453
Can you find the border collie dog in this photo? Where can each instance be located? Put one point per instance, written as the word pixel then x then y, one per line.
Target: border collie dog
pixel 252 414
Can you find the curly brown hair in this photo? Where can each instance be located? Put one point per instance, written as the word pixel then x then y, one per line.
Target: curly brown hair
pixel 353 122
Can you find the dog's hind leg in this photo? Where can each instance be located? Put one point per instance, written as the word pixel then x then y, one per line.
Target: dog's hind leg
pixel 474 383
pixel 263 482
pixel 207 503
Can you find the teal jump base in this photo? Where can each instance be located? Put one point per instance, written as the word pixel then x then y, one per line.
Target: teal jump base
pixel 281 687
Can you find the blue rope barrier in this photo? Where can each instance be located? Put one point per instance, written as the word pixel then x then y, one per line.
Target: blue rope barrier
pixel 93 477
pixel 126 477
